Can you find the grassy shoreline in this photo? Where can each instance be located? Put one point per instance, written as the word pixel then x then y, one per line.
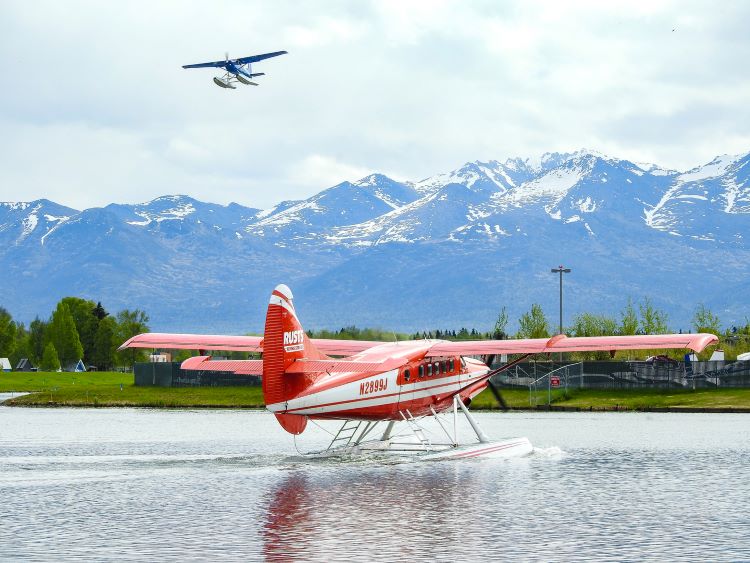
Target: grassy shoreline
pixel 112 389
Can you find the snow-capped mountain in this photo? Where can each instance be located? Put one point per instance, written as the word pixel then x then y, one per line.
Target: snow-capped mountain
pixel 31 221
pixel 344 204
pixel 402 254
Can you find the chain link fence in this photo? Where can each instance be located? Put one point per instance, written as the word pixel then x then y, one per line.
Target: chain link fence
pixel 659 374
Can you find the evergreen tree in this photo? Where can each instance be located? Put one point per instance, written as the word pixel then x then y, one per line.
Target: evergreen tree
pixel 50 361
pixel 37 339
pixel 501 325
pixel 63 334
pixel 533 324
pixel 99 311
pixel 705 321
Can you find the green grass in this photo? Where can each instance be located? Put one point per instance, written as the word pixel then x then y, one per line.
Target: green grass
pixel 625 399
pixel 102 389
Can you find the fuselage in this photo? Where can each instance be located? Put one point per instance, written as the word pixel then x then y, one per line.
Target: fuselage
pixel 413 383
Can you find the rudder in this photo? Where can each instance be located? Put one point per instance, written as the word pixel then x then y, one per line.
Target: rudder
pixel 284 341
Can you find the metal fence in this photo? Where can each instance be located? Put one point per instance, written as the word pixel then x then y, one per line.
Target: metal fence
pixel 169 374
pixel 630 375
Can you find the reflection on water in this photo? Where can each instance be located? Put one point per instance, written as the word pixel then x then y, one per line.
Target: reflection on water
pixel 146 484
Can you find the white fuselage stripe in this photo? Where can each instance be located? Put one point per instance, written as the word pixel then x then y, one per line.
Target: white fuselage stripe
pixel 347 397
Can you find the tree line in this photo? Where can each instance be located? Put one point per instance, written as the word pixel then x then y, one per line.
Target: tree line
pixel 641 317
pixel 78 329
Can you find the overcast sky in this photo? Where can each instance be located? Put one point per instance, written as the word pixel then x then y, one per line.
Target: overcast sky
pixel 95 107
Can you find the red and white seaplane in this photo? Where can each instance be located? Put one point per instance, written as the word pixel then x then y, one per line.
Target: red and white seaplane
pixel 383 382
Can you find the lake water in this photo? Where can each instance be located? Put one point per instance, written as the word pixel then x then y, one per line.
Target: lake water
pixel 139 484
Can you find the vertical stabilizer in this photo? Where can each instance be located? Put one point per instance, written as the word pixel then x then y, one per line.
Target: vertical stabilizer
pixel 284 341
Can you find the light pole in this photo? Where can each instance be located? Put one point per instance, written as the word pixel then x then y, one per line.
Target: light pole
pixel 561 271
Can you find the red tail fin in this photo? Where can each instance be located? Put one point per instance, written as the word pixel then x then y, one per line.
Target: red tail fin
pixel 284 341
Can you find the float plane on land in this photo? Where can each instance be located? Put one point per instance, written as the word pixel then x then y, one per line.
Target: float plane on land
pixel 383 382
pixel 237 70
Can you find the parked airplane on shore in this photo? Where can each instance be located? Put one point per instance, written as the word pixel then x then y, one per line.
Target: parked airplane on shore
pixel 383 382
pixel 237 70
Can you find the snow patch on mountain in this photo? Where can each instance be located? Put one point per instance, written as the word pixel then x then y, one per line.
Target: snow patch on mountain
pixel 717 167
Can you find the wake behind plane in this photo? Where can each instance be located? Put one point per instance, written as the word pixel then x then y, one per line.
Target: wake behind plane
pixel 237 70
pixel 384 382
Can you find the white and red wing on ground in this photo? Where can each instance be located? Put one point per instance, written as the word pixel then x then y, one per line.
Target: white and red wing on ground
pixel 559 343
pixel 562 343
pixel 236 343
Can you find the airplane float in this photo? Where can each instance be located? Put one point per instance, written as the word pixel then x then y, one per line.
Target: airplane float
pixel 237 70
pixel 383 382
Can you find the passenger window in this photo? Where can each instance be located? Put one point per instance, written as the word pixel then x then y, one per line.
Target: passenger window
pixel 429 370
pixel 437 368
pixel 421 370
pixel 450 364
pixel 407 375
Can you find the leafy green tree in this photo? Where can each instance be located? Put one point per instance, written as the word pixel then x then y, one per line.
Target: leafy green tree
pixel 533 324
pixel 86 322
pixel 588 324
pixel 103 356
pixel 628 320
pixel 50 361
pixel 130 323
pixel 22 345
pixel 705 321
pixel 7 334
pixel 63 334
pixel 653 320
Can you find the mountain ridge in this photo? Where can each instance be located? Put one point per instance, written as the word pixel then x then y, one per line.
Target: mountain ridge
pixel 195 265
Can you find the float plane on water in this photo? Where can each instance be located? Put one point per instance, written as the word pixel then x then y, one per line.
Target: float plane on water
pixel 237 70
pixel 383 382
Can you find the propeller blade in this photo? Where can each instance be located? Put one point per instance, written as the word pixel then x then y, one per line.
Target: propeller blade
pixel 498 396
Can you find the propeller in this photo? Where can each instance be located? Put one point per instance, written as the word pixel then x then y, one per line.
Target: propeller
pixel 492 387
pixel 498 397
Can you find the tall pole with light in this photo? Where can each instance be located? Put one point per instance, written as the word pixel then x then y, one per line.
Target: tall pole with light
pixel 561 271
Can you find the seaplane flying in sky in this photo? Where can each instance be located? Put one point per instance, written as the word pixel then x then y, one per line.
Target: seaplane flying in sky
pixel 374 383
pixel 237 70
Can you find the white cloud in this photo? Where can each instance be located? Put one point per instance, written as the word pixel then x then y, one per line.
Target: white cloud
pixel 406 88
pixel 318 170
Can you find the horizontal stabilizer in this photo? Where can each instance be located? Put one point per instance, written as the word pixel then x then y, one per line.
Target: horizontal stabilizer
pixel 240 367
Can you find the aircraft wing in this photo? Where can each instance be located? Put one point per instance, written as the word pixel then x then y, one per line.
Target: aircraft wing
pixel 256 58
pixel 207 65
pixel 562 343
pixel 237 343
pixel 195 342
